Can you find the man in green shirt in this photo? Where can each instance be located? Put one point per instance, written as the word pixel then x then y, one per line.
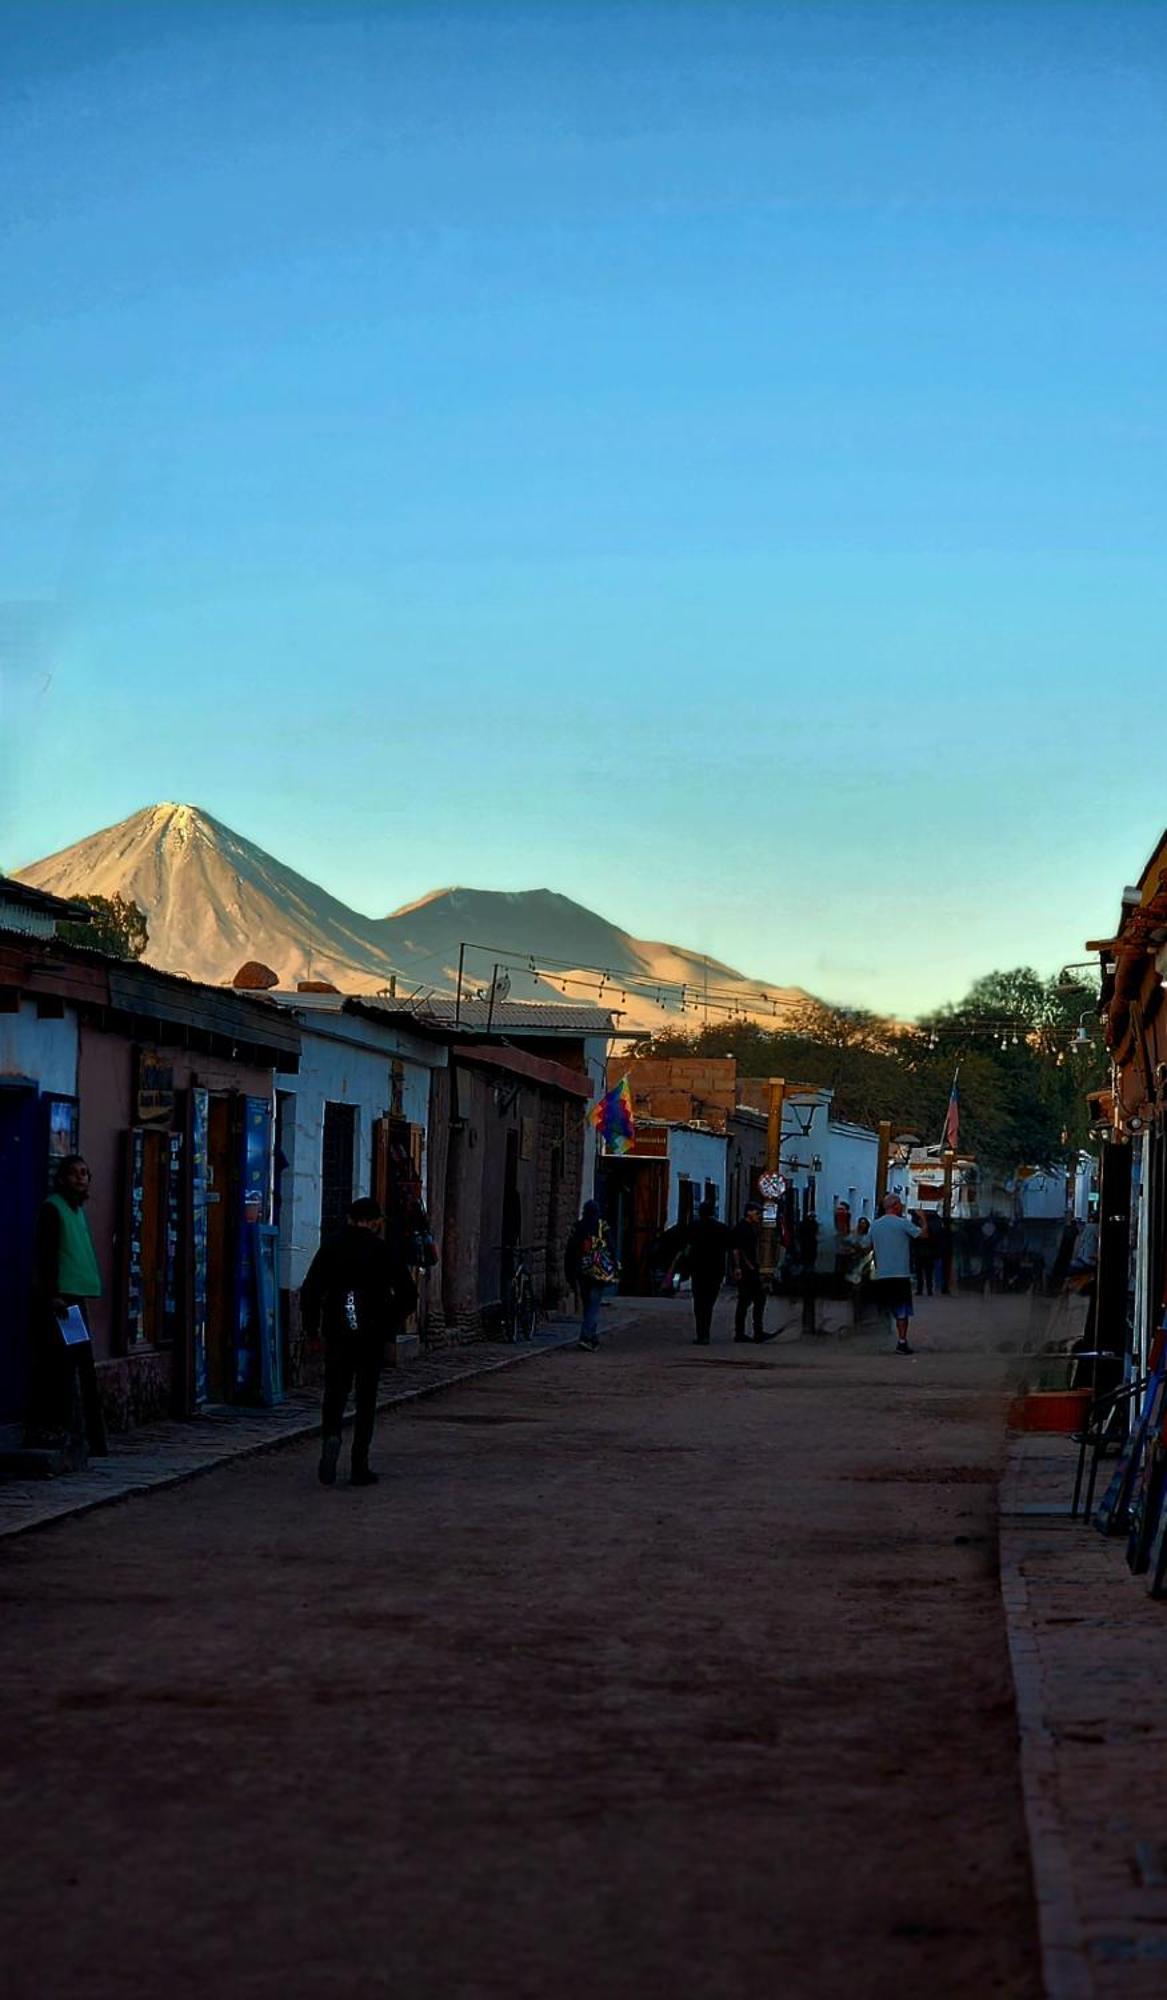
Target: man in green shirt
pixel 65 1273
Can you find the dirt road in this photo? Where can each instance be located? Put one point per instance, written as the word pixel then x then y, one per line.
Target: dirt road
pixel 665 1670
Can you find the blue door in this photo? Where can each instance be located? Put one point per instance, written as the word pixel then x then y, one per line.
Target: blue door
pixel 22 1164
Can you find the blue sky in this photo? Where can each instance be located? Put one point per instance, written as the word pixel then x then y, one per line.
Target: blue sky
pixel 707 459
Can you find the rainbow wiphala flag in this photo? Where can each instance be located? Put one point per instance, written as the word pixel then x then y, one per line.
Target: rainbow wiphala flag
pixel 613 1120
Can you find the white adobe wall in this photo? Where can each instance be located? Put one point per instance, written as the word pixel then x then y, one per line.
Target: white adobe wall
pixel 1042 1197
pixel 336 1072
pixel 699 1157
pixel 804 1138
pixel 46 1051
pixel 849 1162
pixel 1085 1184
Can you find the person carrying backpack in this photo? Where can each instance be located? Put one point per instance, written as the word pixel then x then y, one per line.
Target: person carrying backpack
pixel 590 1266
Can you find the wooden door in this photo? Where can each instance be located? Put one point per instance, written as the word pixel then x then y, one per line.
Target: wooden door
pixel 336 1174
pixel 220 1262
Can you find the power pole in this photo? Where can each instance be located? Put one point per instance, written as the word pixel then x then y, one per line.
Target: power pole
pixel 881 1160
pixel 776 1097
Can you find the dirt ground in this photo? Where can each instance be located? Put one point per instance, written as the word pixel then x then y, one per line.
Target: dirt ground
pixel 657 1671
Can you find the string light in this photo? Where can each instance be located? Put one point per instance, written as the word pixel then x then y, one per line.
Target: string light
pixel 738 1005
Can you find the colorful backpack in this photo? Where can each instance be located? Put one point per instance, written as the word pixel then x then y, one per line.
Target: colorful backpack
pixel 596 1259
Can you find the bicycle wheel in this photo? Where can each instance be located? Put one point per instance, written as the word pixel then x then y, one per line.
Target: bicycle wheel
pixel 526 1311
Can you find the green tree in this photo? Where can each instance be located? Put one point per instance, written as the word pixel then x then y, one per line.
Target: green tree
pixel 1024 1075
pixel 117 927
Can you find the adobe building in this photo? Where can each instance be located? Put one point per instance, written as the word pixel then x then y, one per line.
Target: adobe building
pixel 682 1107
pixel 511 1150
pixel 168 1088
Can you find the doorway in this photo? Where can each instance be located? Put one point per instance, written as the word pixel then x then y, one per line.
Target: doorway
pixel 21 1188
pixel 512 1217
pixel 220 1159
pixel 554 1247
pixel 336 1167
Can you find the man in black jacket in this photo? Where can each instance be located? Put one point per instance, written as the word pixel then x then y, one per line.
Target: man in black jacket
pixel 357 1292
pixel 705 1252
pixel 745 1256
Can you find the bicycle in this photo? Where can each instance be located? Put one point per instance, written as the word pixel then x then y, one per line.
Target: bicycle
pixel 521 1309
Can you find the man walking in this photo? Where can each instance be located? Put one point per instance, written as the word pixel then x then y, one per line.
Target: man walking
pixel 892 1236
pixel 65 1273
pixel 357 1292
pixel 747 1273
pixel 705 1253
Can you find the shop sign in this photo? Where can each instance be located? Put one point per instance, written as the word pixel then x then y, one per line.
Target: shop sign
pixel 651 1142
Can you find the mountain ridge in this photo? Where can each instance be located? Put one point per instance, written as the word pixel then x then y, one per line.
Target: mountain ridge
pixel 214 899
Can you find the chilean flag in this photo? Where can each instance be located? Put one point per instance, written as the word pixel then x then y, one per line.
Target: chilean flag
pixel 951 1140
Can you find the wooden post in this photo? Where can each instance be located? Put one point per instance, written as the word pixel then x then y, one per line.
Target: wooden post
pixel 773 1166
pixel 774 1124
pixel 881 1161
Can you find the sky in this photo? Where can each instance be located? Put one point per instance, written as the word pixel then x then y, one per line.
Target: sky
pixel 707 459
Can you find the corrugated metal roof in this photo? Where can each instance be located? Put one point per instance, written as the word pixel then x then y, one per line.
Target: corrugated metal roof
pixel 24 895
pixel 168 997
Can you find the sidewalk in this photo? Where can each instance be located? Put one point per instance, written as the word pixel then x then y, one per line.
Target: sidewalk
pixel 1088 1647
pixel 159 1455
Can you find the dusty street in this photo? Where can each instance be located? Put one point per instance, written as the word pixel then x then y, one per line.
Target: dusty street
pixel 658 1671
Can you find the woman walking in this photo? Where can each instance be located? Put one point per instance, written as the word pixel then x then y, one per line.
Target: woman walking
pixel 590 1267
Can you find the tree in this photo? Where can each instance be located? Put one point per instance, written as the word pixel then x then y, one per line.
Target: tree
pixel 1023 1073
pixel 117 927
pixel 1024 1077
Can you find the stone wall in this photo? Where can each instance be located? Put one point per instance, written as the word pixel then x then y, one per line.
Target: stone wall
pixel 134 1389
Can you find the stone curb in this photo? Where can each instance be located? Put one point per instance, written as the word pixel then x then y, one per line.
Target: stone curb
pixel 162 1480
pixel 1066 1972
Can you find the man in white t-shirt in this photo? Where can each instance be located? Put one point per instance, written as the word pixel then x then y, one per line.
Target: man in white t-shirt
pixel 891 1241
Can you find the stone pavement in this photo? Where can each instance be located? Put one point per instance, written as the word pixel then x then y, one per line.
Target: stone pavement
pixel 1087 1646
pixel 159 1455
